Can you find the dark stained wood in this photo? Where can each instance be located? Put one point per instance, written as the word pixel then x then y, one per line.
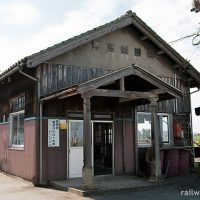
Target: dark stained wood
pixel 54 159
pixel 118 148
pixel 131 70
pixel 87 133
pixel 104 80
pixel 122 84
pixel 19 84
pixel 55 77
pixel 160 52
pixel 120 93
pixel 144 37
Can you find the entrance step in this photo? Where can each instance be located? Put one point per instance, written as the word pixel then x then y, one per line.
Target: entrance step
pixel 104 184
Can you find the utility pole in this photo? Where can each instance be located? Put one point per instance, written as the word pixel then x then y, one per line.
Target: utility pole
pixel 196 8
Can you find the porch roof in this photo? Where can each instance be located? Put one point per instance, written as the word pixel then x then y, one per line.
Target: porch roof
pixel 140 84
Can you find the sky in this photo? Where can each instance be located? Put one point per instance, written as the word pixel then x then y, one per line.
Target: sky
pixel 28 26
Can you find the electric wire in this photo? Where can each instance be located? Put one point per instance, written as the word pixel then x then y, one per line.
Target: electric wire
pixel 185 37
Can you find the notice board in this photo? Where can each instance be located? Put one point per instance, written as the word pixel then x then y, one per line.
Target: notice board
pixel 53 133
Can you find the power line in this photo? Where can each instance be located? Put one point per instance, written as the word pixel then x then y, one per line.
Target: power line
pixel 188 36
pixel 196 41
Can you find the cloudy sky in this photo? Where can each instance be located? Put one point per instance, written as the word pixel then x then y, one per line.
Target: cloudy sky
pixel 28 26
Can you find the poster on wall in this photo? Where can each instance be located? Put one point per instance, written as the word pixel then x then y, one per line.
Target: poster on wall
pixel 53 133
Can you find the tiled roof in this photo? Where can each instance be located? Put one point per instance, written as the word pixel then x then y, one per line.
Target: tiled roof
pixel 128 19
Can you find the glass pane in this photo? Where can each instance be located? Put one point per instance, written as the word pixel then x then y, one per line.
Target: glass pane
pixel 164 128
pixel 144 129
pixel 21 129
pixel 76 134
pixel 14 129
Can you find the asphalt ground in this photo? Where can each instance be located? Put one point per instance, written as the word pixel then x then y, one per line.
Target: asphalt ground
pixel 178 188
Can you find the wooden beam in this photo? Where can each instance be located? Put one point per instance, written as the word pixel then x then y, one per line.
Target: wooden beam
pixel 144 37
pixel 153 79
pixel 124 72
pixel 122 85
pixel 120 93
pixel 176 66
pixel 157 91
pixel 87 171
pixel 155 163
pixel 160 52
pixel 60 95
pixel 105 80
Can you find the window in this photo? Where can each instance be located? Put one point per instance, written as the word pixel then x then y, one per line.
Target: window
pixel 17 103
pixel 76 133
pixel 95 45
pixel 17 106
pixel 124 50
pixel 144 129
pixel 137 52
pixel 17 129
pixel 110 47
pixel 164 128
pixel 150 53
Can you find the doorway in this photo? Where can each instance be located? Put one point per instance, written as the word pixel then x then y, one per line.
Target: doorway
pixel 103 148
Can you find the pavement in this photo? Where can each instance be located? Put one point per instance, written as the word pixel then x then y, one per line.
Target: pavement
pixel 108 188
pixel 177 188
pixel 13 188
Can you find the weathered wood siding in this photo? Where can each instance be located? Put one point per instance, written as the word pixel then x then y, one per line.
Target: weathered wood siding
pixel 18 84
pixel 124 135
pixel 55 158
pixel 177 105
pixel 55 77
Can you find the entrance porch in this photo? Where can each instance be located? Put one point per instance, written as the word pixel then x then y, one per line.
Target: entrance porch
pixel 130 86
pixel 103 184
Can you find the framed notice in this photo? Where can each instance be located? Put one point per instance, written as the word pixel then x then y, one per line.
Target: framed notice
pixel 53 133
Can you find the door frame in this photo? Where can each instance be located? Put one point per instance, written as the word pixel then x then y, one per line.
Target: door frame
pixel 113 145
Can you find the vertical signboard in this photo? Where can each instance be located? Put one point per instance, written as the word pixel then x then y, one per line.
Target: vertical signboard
pixel 53 133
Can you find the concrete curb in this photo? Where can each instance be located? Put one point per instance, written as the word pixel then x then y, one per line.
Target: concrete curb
pixel 87 193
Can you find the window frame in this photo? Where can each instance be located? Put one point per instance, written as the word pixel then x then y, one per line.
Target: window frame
pixel 170 130
pixel 124 50
pixel 144 145
pixel 19 101
pixel 96 45
pixel 138 52
pixel 170 142
pixel 11 143
pixel 110 47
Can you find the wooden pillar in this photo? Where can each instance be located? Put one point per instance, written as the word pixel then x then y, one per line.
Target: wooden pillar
pixel 156 163
pixel 87 171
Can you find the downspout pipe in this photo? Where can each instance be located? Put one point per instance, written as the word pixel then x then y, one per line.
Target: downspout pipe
pixel 20 68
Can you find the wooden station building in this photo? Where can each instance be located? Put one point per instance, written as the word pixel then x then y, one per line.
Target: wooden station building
pixel 114 100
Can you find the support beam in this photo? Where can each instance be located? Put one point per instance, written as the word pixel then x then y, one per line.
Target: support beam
pixel 87 171
pixel 144 74
pixel 120 93
pixel 122 84
pixel 176 66
pixel 156 163
pixel 160 52
pixel 144 37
